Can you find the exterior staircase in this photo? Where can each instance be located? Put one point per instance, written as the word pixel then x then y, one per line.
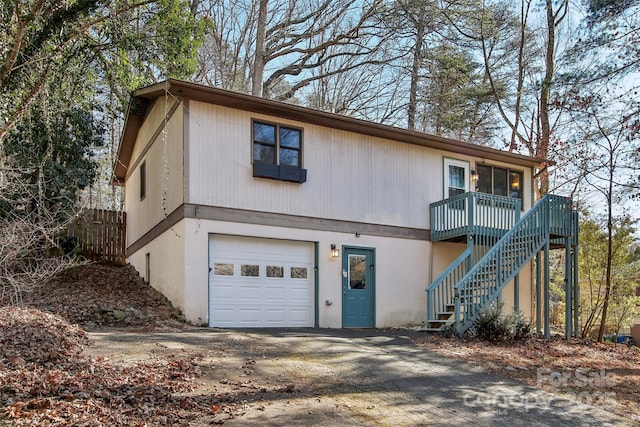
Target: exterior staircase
pixel 473 282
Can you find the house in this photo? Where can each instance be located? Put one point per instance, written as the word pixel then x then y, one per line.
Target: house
pixel 246 212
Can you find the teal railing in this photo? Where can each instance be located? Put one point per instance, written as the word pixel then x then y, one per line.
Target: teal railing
pixel 472 214
pixel 441 292
pixel 551 217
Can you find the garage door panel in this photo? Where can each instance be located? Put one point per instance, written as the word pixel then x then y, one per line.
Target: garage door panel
pixel 261 282
pixel 277 316
pixel 224 292
pixel 248 315
pixel 248 293
pixel 223 316
pixel 275 294
pixel 299 294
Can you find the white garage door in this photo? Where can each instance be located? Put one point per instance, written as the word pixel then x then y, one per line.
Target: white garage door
pixel 257 282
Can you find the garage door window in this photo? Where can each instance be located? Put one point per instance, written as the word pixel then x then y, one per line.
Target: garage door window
pixel 220 269
pixel 250 270
pixel 275 271
pixel 298 272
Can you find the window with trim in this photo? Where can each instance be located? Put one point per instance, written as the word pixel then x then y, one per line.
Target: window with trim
pixel 499 181
pixel 277 152
pixel 456 174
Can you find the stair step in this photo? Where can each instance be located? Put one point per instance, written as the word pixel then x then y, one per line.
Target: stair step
pixel 431 329
pixel 439 323
pixel 450 308
pixel 444 315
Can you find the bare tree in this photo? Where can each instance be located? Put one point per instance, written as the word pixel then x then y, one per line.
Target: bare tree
pixel 276 48
pixel 417 22
pixel 30 251
pixel 609 128
pixel 510 47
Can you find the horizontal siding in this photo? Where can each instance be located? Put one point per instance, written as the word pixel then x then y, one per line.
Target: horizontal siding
pixel 351 177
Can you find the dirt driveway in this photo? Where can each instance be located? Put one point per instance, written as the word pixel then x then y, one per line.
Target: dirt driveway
pixel 348 377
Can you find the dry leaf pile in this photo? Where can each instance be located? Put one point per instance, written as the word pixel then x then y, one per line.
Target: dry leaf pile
pixel 96 295
pixel 45 379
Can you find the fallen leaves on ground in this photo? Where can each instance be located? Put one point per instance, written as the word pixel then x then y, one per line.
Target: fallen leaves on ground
pixel 45 379
pixel 602 374
pixel 97 295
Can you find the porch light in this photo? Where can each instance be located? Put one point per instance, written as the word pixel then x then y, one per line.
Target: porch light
pixel 335 252
pixel 474 176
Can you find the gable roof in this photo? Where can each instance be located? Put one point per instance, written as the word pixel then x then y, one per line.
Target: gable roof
pixel 182 89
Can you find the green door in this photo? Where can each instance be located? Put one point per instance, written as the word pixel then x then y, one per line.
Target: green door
pixel 358 287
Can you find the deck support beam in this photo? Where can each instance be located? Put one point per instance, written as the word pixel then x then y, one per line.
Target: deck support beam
pixel 547 293
pixel 539 292
pixel 568 294
pixel 576 294
pixel 516 293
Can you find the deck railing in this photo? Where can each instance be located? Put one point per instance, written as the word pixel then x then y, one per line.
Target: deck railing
pixel 471 214
pixel 482 284
pixel 441 292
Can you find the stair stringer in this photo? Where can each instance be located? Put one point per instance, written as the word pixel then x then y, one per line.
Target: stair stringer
pixel 484 282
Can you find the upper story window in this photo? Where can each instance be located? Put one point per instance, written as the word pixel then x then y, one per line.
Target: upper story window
pixel 277 144
pixel 456 177
pixel 277 152
pixel 499 181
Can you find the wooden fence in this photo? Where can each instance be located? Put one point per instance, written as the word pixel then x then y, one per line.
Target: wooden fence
pixel 100 235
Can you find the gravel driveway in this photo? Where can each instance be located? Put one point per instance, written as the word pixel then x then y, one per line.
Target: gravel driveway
pixel 349 377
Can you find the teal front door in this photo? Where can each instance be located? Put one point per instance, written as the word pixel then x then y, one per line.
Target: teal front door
pixel 358 287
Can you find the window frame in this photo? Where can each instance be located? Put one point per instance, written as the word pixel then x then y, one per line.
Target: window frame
pixel 143 180
pixel 277 169
pixel 508 172
pixel 277 144
pixel 464 164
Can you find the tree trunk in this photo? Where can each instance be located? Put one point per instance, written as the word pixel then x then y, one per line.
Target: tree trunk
pixel 524 14
pixel 258 63
pixel 415 77
pixel 607 285
pixel 542 151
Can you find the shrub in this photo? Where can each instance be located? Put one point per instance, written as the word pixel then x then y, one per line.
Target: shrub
pixel 492 325
pixel 521 327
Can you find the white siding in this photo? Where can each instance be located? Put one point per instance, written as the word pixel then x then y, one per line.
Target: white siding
pixel 350 176
pixel 165 175
pixel 401 271
pixel 167 265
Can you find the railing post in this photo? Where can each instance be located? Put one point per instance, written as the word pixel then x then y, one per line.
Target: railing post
pixel 469 200
pixel 432 219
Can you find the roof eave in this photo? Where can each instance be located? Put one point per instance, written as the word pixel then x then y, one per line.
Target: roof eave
pixel 251 103
pixel 132 124
pixel 304 114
